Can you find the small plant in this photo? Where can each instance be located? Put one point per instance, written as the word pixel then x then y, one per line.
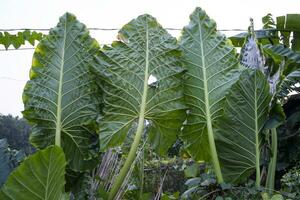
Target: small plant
pixel 291 182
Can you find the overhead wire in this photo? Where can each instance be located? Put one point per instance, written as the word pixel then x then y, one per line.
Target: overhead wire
pixel 92 29
pixel 101 29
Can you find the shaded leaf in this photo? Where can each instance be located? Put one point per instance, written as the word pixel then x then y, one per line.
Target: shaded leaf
pixel 238 137
pixel 39 177
pixel 9 159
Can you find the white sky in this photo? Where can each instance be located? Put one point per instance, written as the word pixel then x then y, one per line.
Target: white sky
pixel 113 14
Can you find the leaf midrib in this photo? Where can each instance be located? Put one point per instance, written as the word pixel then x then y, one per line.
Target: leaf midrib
pixel 48 174
pixel 210 133
pixel 146 76
pixel 59 94
pixel 257 151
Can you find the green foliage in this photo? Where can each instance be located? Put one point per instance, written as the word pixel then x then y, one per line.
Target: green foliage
pixel 61 98
pixel 16 40
pixel 9 159
pixel 211 66
pixel 174 196
pixel 291 182
pixel 150 86
pixel 192 170
pixel 238 138
pixel 79 184
pixel 268 22
pixel 263 36
pixel 291 23
pixel 40 176
pixel 289 135
pixel 145 50
pixel 16 131
pixel 205 187
pixel 284 26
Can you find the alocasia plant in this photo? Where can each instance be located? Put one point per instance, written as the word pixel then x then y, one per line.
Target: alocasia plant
pixel 239 134
pixel 62 102
pixel 145 50
pixel 61 97
pixel 212 67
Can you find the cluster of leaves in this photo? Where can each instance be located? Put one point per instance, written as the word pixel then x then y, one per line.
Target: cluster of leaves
pixel 289 135
pixel 274 32
pixel 9 159
pixel 16 130
pixel 18 39
pixel 291 181
pixel 85 100
pixel 206 187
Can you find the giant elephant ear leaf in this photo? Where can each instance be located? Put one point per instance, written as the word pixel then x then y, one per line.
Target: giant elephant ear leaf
pixel 211 66
pixel 146 53
pixel 238 138
pixel 60 98
pixel 40 177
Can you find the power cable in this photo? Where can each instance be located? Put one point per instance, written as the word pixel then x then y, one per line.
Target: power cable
pixel 100 29
pixel 11 79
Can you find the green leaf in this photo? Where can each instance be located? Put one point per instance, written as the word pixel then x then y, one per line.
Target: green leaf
pixel 19 39
pixel 263 36
pixel 285 35
pixel 277 197
pixel 145 52
pixel 212 68
pixel 291 61
pixel 193 182
pixel 276 116
pixel 288 24
pixel 192 171
pixel 61 97
pixel 238 137
pixel 292 23
pixel 268 21
pixel 278 52
pixel 288 83
pixel 39 177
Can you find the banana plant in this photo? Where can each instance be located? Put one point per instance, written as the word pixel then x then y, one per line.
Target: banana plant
pixel 212 67
pixel 61 97
pixel 141 81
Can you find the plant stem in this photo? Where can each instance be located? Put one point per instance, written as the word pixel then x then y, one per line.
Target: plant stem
pixel 131 156
pixel 142 174
pixel 257 149
pixel 213 151
pixel 211 139
pixel 139 131
pixel 273 161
